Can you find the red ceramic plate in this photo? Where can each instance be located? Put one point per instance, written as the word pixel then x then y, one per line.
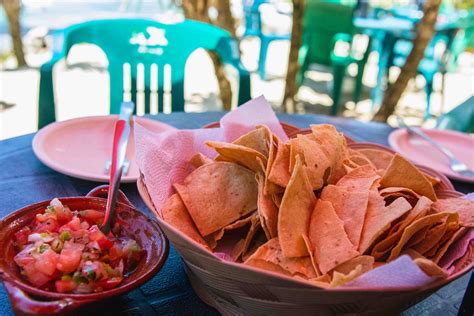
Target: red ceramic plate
pixel 423 153
pixel 81 147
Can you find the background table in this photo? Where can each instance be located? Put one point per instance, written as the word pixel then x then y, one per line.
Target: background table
pixel 25 180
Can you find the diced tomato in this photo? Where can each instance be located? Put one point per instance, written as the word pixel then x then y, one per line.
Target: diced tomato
pixel 70 257
pixel 115 252
pixel 63 214
pixel 50 226
pixel 73 224
pixel 95 233
pixel 111 283
pixel 46 262
pixel 105 244
pixel 21 236
pixel 93 216
pixel 37 278
pixel 65 286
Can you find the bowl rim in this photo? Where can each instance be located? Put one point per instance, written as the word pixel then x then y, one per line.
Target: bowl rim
pixel 150 271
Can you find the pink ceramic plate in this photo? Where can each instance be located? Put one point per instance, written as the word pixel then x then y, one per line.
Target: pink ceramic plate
pixel 80 147
pixel 423 153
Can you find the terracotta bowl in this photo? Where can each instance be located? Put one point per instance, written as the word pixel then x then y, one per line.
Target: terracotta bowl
pixel 27 299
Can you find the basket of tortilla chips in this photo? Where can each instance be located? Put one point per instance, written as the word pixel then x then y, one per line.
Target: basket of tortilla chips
pixel 306 225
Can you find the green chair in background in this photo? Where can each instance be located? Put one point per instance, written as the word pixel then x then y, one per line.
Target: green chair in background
pixel 326 23
pixel 146 42
pixel 461 118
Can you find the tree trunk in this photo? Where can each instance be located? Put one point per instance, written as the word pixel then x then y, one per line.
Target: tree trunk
pixel 424 33
pixel 12 10
pixel 224 19
pixel 198 10
pixel 291 87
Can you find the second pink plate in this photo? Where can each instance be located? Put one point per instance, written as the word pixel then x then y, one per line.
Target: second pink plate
pixel 81 147
pixel 423 153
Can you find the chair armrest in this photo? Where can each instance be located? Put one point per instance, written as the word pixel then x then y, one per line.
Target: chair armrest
pixel 46 104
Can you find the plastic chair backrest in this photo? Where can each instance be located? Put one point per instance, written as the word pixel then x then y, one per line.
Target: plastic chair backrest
pixel 146 42
pixel 252 17
pixel 323 20
pixel 461 118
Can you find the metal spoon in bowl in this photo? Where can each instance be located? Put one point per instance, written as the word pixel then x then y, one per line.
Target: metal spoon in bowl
pixel 454 163
pixel 121 134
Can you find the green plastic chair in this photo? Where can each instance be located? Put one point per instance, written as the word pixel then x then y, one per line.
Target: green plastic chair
pixel 326 23
pixel 461 118
pixel 147 42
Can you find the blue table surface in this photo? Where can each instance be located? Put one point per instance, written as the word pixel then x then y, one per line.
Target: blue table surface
pixel 25 180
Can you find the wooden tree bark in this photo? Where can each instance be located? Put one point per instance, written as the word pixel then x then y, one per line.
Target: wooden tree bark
pixel 424 33
pixel 198 10
pixel 12 10
pixel 224 19
pixel 291 87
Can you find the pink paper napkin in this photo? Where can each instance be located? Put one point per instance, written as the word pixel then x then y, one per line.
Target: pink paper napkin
pixel 400 273
pixel 163 157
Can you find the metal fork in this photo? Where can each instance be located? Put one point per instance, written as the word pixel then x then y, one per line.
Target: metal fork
pixel 108 164
pixel 454 163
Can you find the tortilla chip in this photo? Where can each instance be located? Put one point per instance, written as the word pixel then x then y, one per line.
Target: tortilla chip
pixel 266 265
pixel 464 207
pixel 454 237
pixel 309 247
pixel 379 158
pixel 295 212
pixel 334 146
pixel 417 237
pixel 175 213
pixel 237 250
pixel 394 235
pixel 199 159
pixel 378 218
pixel 258 139
pixel 402 173
pixel 434 180
pixel 413 228
pixel 360 179
pixel 272 252
pixel 222 188
pixel 434 235
pixel 428 266
pixel 279 172
pixel 358 159
pixel 244 156
pixel 392 193
pixel 350 207
pixel 366 263
pixel 271 187
pixel 339 279
pixel 213 238
pixel 258 240
pixel 329 243
pixel 255 226
pixel 318 166
pixel 465 261
pixel 277 198
pixel 266 209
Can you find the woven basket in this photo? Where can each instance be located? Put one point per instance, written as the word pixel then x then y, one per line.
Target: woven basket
pixel 237 289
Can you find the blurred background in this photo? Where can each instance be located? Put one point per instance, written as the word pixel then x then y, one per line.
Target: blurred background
pixel 326 57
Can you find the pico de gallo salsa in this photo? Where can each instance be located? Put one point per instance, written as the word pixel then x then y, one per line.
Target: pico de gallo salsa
pixel 65 251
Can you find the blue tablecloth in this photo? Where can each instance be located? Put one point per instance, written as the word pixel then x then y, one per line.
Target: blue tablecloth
pixel 25 180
